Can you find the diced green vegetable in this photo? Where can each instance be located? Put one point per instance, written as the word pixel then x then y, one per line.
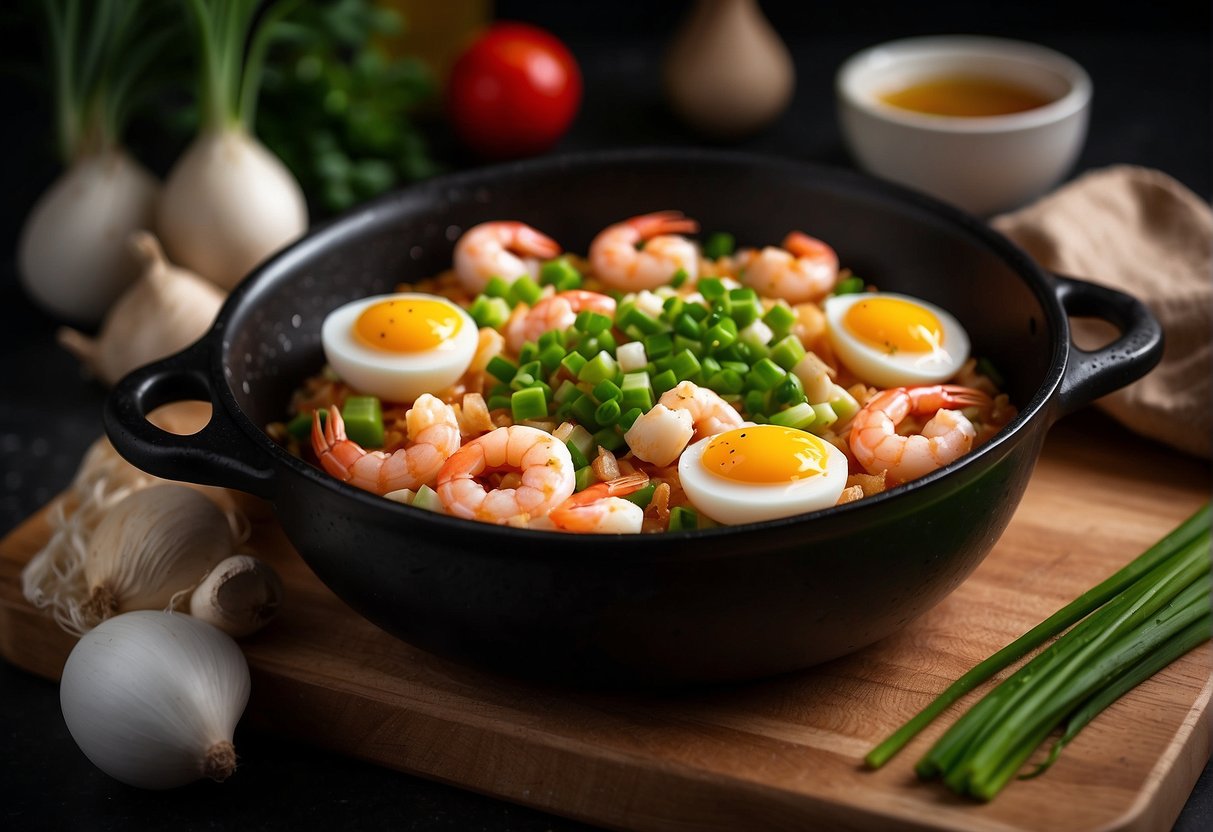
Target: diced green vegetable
pixel 765 374
pixel 636 391
pixel 799 416
pixel 582 410
pixel 824 416
pixel 592 322
pixel 561 274
pixel 600 367
pixel 663 381
pixel 849 286
pixel 583 478
pixel 363 416
pixel 528 403
pixel 579 459
pixel 608 412
pixel 501 369
pixel 609 438
pixel 489 311
pixel 780 318
pixel 642 496
pixel 787 352
pixel 628 418
pixel 300 427
pixel 573 362
pixel 428 499
pixel 719 244
pixel 496 287
pixel 524 290
pixel 683 519
pixel 711 288
pixel 658 345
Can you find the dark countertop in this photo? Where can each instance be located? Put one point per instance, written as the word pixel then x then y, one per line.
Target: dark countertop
pixel 1152 101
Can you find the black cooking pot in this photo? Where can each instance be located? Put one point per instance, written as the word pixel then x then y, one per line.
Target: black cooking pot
pixel 717 604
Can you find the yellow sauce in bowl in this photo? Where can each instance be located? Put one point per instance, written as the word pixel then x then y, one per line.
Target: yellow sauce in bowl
pixel 965 96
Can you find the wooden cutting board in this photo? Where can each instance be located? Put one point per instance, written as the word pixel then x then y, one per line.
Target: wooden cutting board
pixel 778 754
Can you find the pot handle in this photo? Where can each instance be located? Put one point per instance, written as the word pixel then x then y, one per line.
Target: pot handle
pixel 219 454
pixel 1092 374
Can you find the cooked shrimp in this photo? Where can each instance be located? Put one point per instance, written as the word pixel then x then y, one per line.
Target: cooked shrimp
pixel 500 249
pixel 616 261
pixel 710 414
pixel 555 312
pixel 601 508
pixel 433 431
pixel 545 469
pixel 805 269
pixel 947 435
pixel 660 435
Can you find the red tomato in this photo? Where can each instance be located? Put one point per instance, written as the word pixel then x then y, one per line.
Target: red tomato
pixel 514 92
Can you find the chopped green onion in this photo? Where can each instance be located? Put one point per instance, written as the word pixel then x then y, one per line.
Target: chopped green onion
pixel 721 334
pixel 780 318
pixel 428 499
pixel 300 427
pixel 656 346
pixel 743 306
pixel 637 323
pixel 497 402
pixel 528 403
pixel 608 412
pixel 600 367
pixel 686 325
pixel 565 392
pixel 753 402
pixel 363 417
pixel 679 277
pixel 552 336
pixel 592 322
pixel 850 286
pixel 579 458
pixel 712 288
pixel 685 365
pixel 561 274
pixel 609 438
pixel 497 288
pixel 501 368
pixel 671 308
pixel 697 311
pixel 582 409
pixel 582 438
pixel 489 311
pixel 573 362
pixel 524 290
pixel 789 391
pixel 636 391
pixel 726 381
pixel 628 418
pixel 607 390
pixel 787 352
pixel 663 381
pixel 583 478
pixel 765 374
pixel 844 404
pixel 528 353
pixel 550 357
pixel 683 519
pixel 824 416
pixel 642 496
pixel 720 244
pixel 798 416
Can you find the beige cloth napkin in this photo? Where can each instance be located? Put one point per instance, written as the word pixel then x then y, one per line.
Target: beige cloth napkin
pixel 1139 231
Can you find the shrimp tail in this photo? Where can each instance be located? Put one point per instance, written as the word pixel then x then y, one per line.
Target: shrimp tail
pixel 337 452
pixel 663 222
pixel 535 243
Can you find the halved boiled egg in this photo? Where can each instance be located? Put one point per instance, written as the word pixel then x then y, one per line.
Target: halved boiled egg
pixel 892 340
pixel 399 346
pixel 760 472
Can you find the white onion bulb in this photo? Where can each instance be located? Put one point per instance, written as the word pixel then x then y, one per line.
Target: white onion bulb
pixel 228 204
pixel 73 256
pixel 153 698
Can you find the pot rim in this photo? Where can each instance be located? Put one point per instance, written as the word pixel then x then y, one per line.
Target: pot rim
pixel 320 238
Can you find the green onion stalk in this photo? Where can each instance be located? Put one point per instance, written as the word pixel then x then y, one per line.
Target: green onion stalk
pixel 73 256
pixel 1124 630
pixel 229 202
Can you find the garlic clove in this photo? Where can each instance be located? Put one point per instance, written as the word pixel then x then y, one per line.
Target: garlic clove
pixel 153 698
pixel 152 545
pixel 163 312
pixel 239 596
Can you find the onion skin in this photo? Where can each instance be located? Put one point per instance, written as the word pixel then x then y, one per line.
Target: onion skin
pixel 227 205
pixel 153 698
pixel 73 256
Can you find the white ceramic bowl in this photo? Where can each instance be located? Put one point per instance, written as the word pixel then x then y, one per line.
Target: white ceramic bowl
pixel 984 164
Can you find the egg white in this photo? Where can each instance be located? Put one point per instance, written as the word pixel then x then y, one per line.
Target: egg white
pixel 732 502
pixel 393 376
pixel 877 367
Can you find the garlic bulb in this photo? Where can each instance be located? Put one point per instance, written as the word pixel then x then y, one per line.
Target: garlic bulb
pixel 153 698
pixel 166 310
pixel 239 596
pixel 154 544
pixel 726 72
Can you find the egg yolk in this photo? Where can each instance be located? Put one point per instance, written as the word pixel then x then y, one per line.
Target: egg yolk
pixel 894 325
pixel 407 324
pixel 765 454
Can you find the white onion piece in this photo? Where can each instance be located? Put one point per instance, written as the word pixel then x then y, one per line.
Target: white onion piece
pixel 153 698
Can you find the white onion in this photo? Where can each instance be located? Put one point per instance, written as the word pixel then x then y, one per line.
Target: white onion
pixel 228 204
pixel 73 256
pixel 153 698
